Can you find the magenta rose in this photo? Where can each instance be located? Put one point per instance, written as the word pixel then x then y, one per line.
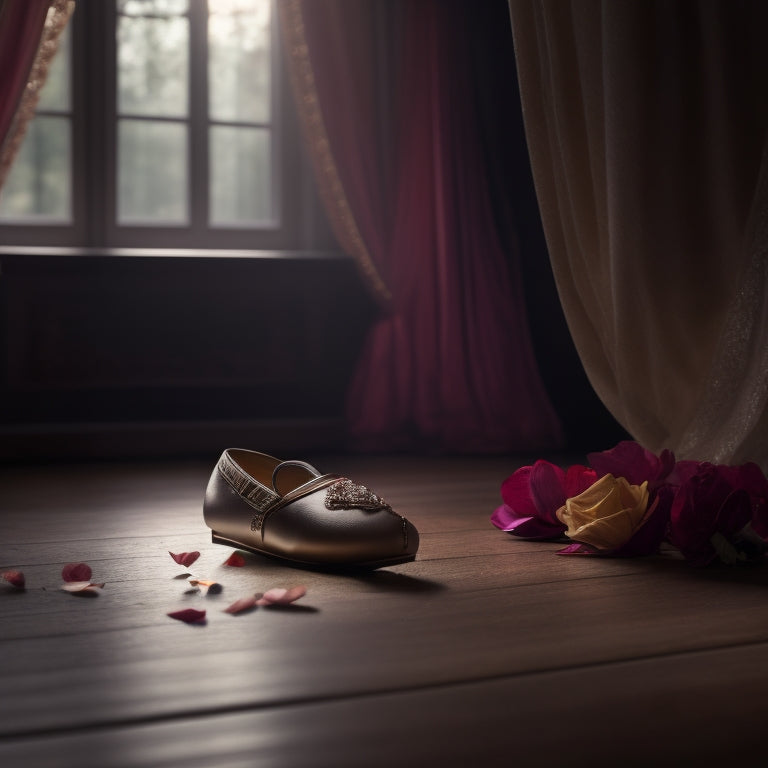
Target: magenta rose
pixel 533 494
pixel 712 513
pixel 750 478
pixel 636 464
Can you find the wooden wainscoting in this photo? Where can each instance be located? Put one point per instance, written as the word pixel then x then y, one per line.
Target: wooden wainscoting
pixel 140 353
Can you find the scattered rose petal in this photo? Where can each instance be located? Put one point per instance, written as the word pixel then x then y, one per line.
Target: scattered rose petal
pixel 577 548
pixel 14 577
pixel 236 560
pixel 185 558
pixel 280 596
pixel 82 586
pixel 188 615
pixel 76 572
pixel 243 604
pixel 206 586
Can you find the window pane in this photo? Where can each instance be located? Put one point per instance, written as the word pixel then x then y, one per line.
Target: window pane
pixel 241 176
pixel 55 93
pixel 152 63
pixel 152 172
pixel 39 183
pixel 239 72
pixel 160 7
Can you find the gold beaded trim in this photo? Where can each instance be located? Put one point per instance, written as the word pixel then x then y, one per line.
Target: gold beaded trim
pixel 253 492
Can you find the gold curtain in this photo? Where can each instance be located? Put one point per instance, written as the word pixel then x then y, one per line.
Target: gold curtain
pixel 330 186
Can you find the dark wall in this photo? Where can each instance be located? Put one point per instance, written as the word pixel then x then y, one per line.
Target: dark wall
pixel 171 354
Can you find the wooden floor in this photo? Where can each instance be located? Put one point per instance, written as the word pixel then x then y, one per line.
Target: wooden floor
pixel 486 651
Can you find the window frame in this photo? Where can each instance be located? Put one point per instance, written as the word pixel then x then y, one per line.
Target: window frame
pixel 94 154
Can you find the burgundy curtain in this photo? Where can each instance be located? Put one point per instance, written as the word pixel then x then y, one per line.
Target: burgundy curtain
pixel 449 365
pixel 21 26
pixel 28 42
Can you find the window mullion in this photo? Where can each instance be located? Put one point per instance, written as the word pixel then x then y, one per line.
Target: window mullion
pixel 97 183
pixel 198 117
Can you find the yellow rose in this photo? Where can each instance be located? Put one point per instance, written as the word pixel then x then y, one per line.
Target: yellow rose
pixel 607 514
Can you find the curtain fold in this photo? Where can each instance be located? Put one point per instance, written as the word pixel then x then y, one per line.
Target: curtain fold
pixel 449 366
pixel 647 125
pixel 29 34
pixel 341 92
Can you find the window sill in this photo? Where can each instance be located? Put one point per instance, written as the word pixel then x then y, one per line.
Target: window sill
pixel 172 253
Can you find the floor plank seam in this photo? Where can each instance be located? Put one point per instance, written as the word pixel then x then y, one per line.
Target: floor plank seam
pixel 156 719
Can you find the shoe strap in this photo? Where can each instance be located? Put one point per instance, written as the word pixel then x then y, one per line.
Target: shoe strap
pixel 291 463
pixel 257 495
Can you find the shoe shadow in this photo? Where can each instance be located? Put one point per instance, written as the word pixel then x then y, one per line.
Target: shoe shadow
pixel 382 580
pixel 402 583
pixel 290 608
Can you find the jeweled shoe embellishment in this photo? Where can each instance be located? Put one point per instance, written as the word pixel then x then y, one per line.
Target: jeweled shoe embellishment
pixel 344 494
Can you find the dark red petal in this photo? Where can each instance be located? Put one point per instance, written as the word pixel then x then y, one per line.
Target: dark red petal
pixel 652 529
pixel 578 478
pixel 185 558
pixel 235 559
pixel 188 615
pixel 76 572
pixel 516 493
pixel 547 489
pixel 14 577
pixel 628 459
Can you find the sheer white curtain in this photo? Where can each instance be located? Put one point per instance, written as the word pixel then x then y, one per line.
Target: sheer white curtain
pixel 646 124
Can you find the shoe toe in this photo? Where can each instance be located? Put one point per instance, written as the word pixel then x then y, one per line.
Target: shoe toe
pixel 306 530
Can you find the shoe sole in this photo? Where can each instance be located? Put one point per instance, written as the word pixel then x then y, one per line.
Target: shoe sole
pixel 365 566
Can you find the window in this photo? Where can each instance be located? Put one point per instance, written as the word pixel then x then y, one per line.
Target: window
pixel 164 123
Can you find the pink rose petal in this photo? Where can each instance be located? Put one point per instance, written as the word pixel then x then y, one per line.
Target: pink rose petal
pixel 243 604
pixel 530 527
pixel 579 548
pixel 82 586
pixel 236 560
pixel 188 615
pixel 14 577
pixel 76 572
pixel 185 558
pixel 280 596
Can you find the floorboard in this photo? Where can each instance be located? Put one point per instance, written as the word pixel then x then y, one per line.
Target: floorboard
pixel 485 651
